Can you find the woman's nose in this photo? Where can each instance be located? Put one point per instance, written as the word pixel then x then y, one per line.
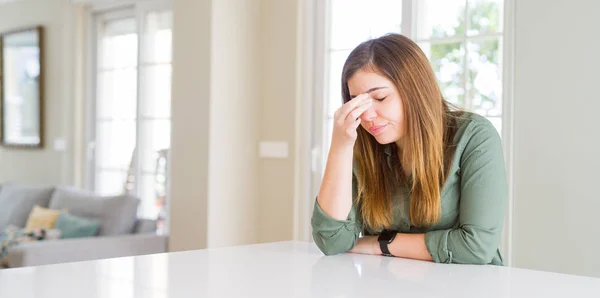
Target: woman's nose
pixel 369 115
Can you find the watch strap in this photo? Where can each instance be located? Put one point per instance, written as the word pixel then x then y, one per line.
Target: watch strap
pixel 384 249
pixel 384 239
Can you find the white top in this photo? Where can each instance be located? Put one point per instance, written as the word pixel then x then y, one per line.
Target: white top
pixel 284 269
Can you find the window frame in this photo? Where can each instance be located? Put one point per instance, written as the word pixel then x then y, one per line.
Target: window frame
pixel 96 13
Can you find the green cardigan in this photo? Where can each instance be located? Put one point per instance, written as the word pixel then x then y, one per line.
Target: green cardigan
pixel 474 199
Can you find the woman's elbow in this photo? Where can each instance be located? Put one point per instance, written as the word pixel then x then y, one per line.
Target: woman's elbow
pixel 480 246
pixel 331 251
pixel 332 246
pixel 481 257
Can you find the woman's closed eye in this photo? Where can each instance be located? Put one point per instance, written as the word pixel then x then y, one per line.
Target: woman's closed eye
pixel 380 99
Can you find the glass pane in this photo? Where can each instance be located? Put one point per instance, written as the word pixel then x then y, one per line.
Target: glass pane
pixel 354 21
pixel 118 44
pixel 119 27
pixel 485 16
pixel 156 90
pixel 110 183
pixel 440 18
pixel 484 83
pixel 151 195
pixel 156 136
pixel 116 94
pixel 447 60
pixel 115 142
pixel 384 16
pixel 158 35
pixel 336 64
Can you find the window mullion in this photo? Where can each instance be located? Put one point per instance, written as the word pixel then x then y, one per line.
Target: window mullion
pixel 407 19
pixel 97 54
pixel 466 98
pixel 138 123
pixel 479 37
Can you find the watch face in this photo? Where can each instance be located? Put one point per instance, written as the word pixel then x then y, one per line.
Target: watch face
pixel 387 236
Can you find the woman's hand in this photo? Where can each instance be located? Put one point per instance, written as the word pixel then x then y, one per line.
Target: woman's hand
pixel 347 119
pixel 367 245
pixel 335 194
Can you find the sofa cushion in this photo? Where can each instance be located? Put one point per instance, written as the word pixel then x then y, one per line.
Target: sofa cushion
pixel 17 201
pixel 41 218
pixel 72 226
pixel 117 214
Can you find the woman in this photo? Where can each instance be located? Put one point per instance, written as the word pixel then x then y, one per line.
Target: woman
pixel 406 176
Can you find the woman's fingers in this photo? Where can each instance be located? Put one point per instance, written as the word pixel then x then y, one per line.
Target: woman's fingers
pixel 354 114
pixel 342 112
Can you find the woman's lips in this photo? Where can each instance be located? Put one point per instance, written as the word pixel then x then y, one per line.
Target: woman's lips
pixel 375 129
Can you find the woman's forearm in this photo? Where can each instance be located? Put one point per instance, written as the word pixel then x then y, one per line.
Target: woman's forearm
pixel 335 194
pixel 410 246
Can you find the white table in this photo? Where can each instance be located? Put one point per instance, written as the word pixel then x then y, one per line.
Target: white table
pixel 284 269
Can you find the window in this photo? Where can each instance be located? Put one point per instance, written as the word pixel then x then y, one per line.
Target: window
pixel 130 133
pixel 462 39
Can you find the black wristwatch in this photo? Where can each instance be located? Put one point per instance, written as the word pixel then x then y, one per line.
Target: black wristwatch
pixel 386 237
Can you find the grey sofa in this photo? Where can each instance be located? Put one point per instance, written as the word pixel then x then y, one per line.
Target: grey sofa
pixel 121 232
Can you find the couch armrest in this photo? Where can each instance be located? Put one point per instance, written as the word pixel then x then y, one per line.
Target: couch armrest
pixel 145 226
pixel 85 249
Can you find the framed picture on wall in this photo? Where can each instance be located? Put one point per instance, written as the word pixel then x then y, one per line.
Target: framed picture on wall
pixel 21 92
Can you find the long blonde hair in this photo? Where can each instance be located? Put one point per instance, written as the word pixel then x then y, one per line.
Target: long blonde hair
pixel 428 138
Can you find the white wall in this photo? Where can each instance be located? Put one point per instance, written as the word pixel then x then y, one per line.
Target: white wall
pixel 228 94
pixel 216 124
pixel 252 97
pixel 557 137
pixel 252 75
pixel 278 82
pixel 234 123
pixel 252 79
pixel 46 165
pixel 190 116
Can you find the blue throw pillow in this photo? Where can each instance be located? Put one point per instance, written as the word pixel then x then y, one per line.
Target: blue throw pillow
pixel 72 226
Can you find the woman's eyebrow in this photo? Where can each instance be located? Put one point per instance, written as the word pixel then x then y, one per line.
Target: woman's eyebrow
pixel 370 90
